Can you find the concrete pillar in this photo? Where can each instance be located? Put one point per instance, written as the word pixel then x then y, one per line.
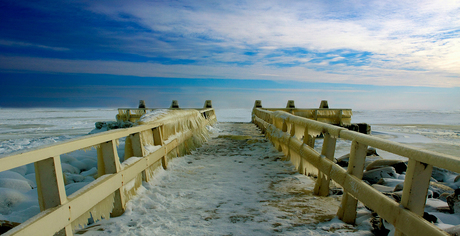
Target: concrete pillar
pixel 258 104
pixel 207 104
pixel 141 104
pixel 174 104
pixel 290 104
pixel 324 104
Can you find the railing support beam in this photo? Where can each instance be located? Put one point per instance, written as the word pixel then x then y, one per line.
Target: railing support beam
pixel 51 187
pixel 323 181
pixel 347 209
pixel 109 155
pixel 416 186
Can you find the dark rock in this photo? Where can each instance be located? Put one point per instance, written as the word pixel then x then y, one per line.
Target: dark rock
pixel 390 182
pixel 371 156
pixel 438 189
pixel 454 231
pixel 397 196
pixel 457 179
pixel 399 187
pixel 399 165
pixel 373 176
pixel 371 159
pixel 378 227
pixel 440 174
pixel 429 217
pixel 100 124
pixel 371 152
pixel 382 188
pixel 336 191
pixel 7 225
pixel 343 160
pixel 453 201
pixel 444 196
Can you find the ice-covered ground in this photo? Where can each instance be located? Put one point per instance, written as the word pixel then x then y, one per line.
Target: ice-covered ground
pixel 21 129
pixel 236 184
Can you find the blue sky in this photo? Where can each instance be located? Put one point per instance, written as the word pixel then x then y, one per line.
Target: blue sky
pixel 356 54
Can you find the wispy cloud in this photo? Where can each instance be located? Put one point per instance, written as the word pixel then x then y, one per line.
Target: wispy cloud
pixel 415 43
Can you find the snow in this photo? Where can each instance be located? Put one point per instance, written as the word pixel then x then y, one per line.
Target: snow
pixel 236 184
pixel 31 128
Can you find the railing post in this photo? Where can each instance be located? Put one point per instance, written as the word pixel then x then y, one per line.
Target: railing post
pixel 416 186
pixel 207 104
pixel 51 187
pixel 341 117
pixel 158 140
pixel 305 167
pixel 136 142
pixel 347 209
pixel 322 183
pixel 109 156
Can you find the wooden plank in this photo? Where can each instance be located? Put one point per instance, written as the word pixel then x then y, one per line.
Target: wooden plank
pixel 347 210
pixel 416 186
pixel 50 183
pixel 109 155
pixel 323 181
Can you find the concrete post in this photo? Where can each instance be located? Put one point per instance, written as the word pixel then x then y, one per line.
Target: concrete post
pixel 174 104
pixel 290 104
pixel 141 104
pixel 207 104
pixel 258 104
pixel 324 104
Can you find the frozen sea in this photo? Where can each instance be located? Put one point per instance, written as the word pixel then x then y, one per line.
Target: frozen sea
pixel 22 129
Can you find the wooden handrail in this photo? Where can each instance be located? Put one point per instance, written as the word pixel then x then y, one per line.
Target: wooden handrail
pixel 59 211
pixel 282 129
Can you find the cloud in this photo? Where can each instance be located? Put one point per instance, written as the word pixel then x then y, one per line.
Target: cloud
pixel 414 43
pixel 358 75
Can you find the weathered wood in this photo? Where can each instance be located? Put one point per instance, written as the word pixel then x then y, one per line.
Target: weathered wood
pixel 387 208
pixel 158 140
pixel 111 162
pixel 50 183
pixel 323 181
pixel 416 186
pixel 51 187
pixel 347 210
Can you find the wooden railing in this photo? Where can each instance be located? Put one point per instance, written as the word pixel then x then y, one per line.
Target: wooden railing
pixel 108 194
pixel 295 135
pixel 133 114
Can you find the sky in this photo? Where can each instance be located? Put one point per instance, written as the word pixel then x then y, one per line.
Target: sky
pixel 355 54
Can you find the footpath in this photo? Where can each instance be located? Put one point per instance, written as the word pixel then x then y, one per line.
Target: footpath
pixel 235 184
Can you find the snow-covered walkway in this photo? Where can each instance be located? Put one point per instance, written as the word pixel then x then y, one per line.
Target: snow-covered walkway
pixel 235 184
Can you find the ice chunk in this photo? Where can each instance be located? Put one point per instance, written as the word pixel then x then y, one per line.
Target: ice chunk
pixel 91 172
pixel 20 185
pixel 10 198
pixel 69 168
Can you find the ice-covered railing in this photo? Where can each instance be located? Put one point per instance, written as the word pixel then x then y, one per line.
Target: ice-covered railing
pixel 295 136
pixel 168 134
pixel 324 113
pixel 134 114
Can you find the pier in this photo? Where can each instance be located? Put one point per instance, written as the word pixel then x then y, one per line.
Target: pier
pixel 281 135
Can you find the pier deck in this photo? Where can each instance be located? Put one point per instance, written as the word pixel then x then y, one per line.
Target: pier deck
pixel 235 184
